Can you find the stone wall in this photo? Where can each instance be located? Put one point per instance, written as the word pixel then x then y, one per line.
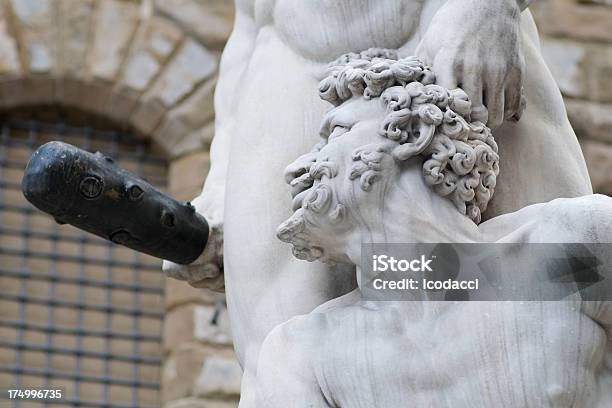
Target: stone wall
pixel 200 369
pixel 577 45
pixel 149 66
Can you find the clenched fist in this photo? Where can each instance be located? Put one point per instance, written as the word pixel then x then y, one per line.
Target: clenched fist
pixel 207 270
pixel 476 45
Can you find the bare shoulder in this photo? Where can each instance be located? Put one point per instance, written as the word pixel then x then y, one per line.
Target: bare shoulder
pixel 285 375
pixel 586 219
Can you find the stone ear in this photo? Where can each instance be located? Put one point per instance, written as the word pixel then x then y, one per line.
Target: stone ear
pixel 408 150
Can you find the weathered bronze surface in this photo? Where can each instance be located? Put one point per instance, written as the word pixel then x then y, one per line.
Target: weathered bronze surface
pixel 92 193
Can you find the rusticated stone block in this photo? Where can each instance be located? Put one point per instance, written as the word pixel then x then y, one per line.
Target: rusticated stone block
pixel 581 70
pixel 74 91
pixel 590 120
pixel 196 166
pixel 147 115
pixel 191 65
pixel 37 89
pixel 178 327
pixel 565 60
pixel 114 26
pixel 140 69
pixel 179 293
pixel 10 89
pixel 9 58
pixel 122 103
pixel 36 27
pixel 210 20
pixel 192 114
pixel 600 72
pixel 599 161
pixel 573 19
pixel 27 90
pixel 196 140
pixel 180 372
pixel 153 43
pixel 74 22
pixel 211 325
pixel 219 377
pixel 92 96
pixel 205 323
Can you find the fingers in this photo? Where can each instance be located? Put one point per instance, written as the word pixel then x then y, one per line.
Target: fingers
pixel 216 283
pixel 494 90
pixel 183 272
pixel 472 85
pixel 175 271
pixel 494 98
pixel 513 96
pixel 512 103
pixel 422 54
pixel 495 103
pixel 199 276
pixel 446 71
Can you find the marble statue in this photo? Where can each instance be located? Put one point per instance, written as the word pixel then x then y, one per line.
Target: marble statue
pixel 268 113
pixel 403 161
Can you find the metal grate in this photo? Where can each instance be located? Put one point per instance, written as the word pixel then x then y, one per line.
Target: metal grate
pixel 76 312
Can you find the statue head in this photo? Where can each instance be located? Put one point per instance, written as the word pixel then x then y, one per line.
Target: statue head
pixel 390 122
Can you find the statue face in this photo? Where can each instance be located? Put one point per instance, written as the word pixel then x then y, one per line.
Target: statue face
pixel 324 182
pixel 351 127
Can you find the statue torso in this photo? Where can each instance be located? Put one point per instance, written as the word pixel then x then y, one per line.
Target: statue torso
pixel 521 354
pixel 323 29
pixel 294 41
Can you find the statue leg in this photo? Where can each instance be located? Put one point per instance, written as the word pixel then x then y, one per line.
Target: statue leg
pixel 540 156
pixel 265 284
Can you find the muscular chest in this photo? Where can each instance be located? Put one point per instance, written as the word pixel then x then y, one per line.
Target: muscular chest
pixel 527 357
pixel 323 29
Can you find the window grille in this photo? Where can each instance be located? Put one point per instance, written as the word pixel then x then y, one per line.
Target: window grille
pixel 76 312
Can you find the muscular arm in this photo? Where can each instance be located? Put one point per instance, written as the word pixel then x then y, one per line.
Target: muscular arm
pixel 207 270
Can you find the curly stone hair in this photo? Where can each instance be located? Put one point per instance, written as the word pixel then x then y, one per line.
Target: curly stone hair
pixel 460 157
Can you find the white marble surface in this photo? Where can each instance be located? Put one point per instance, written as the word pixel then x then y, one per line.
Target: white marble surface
pixel 268 113
pixel 369 183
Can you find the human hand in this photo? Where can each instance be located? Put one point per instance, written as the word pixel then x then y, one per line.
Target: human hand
pixel 207 270
pixel 476 45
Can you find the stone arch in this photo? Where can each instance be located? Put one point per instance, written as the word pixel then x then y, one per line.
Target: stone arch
pixel 149 66
pixel 139 63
